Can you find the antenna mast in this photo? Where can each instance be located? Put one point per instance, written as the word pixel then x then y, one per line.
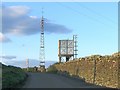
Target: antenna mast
pixel 27 63
pixel 42 46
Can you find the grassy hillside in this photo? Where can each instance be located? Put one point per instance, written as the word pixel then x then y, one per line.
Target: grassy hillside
pixel 12 76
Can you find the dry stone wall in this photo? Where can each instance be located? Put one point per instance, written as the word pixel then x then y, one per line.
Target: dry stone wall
pixel 97 69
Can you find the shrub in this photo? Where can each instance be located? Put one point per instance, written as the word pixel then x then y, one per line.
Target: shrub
pixel 12 76
pixel 52 69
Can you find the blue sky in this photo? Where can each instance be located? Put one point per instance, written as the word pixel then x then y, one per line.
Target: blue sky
pixel 95 23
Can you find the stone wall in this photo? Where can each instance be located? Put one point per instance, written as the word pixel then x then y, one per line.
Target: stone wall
pixel 100 70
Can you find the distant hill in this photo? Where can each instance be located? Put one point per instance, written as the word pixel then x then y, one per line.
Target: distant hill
pixel 22 63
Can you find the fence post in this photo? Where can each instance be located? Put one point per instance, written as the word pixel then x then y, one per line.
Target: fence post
pixel 94 73
pixel 118 72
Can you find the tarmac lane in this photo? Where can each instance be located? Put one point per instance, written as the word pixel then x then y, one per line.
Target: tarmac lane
pixel 47 80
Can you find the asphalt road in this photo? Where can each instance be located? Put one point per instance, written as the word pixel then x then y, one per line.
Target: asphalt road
pixel 46 80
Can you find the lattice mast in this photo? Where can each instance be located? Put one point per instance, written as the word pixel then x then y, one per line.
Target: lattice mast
pixel 75 46
pixel 42 46
pixel 27 64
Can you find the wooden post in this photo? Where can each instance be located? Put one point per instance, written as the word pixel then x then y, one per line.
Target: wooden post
pixel 94 73
pixel 118 72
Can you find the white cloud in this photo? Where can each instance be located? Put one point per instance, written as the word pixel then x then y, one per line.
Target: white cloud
pixel 15 20
pixel 8 57
pixel 3 38
pixel 34 17
pixel 15 11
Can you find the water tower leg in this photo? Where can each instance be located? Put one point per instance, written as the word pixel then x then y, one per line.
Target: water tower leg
pixel 67 59
pixel 60 59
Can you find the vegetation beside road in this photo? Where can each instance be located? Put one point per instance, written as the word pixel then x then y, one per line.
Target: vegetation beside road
pixel 12 76
pixel 30 69
pixel 52 68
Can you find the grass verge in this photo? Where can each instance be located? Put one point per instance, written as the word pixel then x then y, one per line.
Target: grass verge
pixel 12 76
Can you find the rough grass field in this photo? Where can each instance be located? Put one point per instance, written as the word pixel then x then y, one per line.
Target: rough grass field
pixel 12 76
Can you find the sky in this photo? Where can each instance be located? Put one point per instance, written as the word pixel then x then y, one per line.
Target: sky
pixel 94 23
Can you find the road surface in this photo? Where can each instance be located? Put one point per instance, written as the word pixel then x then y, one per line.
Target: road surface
pixel 47 80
